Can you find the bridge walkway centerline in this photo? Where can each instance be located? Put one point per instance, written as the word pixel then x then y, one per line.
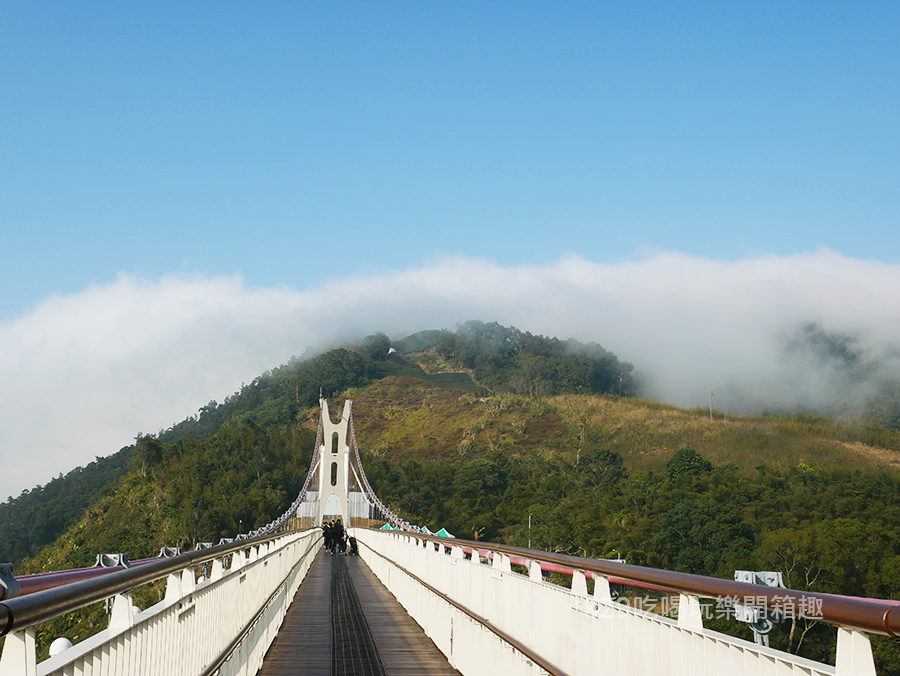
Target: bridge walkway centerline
pixel 304 642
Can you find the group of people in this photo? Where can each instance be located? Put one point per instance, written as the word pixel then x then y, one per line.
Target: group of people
pixel 336 538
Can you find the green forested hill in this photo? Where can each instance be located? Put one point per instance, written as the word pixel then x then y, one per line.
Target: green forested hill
pixel 187 492
pixel 536 428
pixel 600 475
pixel 39 516
pixel 276 398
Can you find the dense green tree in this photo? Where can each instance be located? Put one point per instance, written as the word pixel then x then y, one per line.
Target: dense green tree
pixel 686 462
pixel 697 535
pixel 603 469
pixel 39 516
pixel 377 345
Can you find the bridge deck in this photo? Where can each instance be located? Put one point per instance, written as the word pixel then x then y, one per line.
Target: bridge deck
pixel 303 646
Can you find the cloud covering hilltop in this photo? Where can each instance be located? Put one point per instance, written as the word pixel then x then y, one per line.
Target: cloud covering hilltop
pixel 82 374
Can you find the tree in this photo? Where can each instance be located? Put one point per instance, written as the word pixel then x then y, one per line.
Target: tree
pixel 148 452
pixel 687 462
pixel 697 534
pixel 477 478
pixel 603 469
pixel 376 345
pixel 552 529
pixel 836 556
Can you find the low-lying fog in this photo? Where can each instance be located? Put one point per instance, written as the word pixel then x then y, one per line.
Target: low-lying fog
pixel 83 374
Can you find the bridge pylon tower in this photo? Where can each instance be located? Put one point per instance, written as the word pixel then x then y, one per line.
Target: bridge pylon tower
pixel 334 465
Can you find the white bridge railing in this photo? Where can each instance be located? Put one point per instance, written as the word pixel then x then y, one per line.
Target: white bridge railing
pixel 485 618
pixel 223 623
pixel 489 620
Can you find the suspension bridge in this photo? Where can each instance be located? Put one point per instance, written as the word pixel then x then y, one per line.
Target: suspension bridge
pixel 274 602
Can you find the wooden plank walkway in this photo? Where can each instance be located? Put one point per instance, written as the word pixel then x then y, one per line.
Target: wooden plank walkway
pixel 303 645
pixel 404 647
pixel 353 648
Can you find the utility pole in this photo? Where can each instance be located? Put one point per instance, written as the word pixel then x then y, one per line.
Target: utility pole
pixel 711 393
pixel 580 444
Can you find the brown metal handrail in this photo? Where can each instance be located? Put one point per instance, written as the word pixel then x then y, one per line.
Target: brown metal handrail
pixel 26 611
pixel 870 616
pixel 30 584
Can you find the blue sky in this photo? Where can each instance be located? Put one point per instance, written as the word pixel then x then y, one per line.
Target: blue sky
pixel 192 195
pixel 294 143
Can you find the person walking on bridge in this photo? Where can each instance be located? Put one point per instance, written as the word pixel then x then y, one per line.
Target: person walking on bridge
pixel 327 534
pixel 337 533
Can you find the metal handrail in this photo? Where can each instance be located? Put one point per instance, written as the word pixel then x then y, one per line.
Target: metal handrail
pixel 26 611
pixel 31 584
pixel 853 613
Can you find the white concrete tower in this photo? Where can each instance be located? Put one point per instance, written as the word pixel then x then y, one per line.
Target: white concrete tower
pixel 334 466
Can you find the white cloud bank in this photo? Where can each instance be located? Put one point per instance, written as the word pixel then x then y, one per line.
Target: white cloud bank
pixel 82 374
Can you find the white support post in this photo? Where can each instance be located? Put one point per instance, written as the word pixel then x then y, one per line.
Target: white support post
pixel 535 574
pixel 501 562
pixel 601 589
pixel 19 658
pixel 173 587
pixel 854 654
pixel 122 616
pixel 218 569
pixel 237 560
pixel 690 615
pixel 579 583
pixel 188 582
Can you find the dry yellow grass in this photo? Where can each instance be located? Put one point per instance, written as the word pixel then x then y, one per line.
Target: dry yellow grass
pixel 403 418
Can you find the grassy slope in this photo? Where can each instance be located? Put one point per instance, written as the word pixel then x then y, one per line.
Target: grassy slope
pixel 401 418
pixel 395 365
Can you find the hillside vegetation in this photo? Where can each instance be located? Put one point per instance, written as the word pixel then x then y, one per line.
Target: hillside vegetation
pixel 37 517
pixel 504 357
pixel 605 476
pixel 409 419
pixel 518 426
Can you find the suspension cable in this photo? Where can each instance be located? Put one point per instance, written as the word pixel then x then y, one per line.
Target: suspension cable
pixel 393 518
pixel 313 464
